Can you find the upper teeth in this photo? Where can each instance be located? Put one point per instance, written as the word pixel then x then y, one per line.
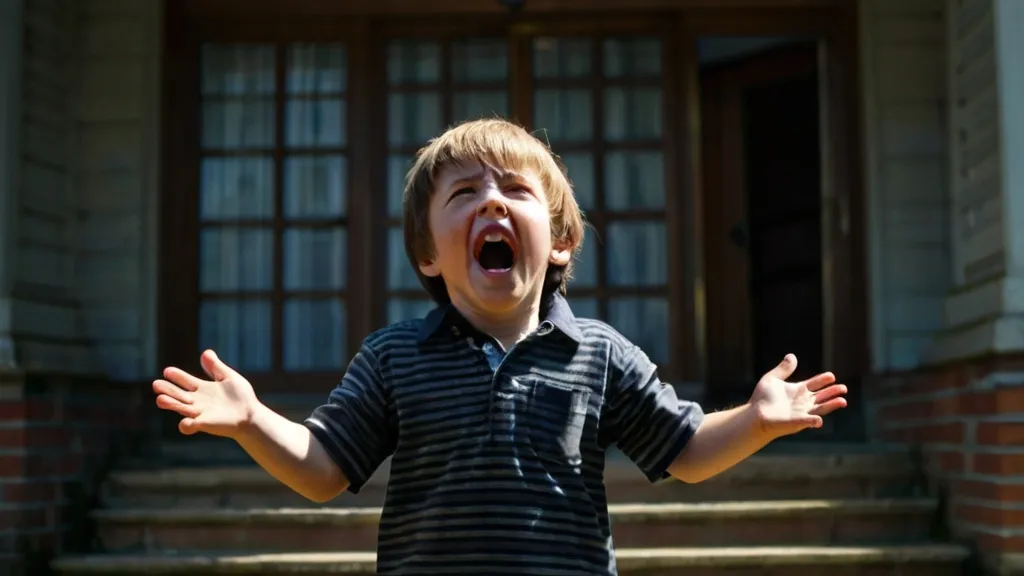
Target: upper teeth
pixel 493 237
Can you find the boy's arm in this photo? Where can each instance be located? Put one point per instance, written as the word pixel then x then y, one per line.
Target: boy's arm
pixel 667 436
pixel 776 408
pixel 292 454
pixel 339 446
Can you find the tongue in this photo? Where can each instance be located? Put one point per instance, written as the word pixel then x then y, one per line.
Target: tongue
pixel 495 256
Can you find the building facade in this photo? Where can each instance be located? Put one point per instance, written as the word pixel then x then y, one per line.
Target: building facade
pixel 827 177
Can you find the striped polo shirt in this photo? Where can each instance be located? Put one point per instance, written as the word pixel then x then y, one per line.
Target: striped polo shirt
pixel 498 458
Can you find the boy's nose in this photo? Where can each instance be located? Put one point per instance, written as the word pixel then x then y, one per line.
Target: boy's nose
pixel 493 208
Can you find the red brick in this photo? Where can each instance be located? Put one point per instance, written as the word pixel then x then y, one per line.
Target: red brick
pixel 993 402
pixel 987 542
pixel 11 466
pixel 996 491
pixel 947 461
pixel 950 433
pixel 12 438
pixel 25 492
pixel 1000 433
pixel 1002 464
pixel 13 411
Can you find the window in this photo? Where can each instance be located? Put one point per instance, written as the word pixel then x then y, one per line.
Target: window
pixel 431 85
pixel 599 102
pixel 273 201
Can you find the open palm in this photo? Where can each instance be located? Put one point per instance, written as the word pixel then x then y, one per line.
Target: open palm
pixel 788 407
pixel 220 406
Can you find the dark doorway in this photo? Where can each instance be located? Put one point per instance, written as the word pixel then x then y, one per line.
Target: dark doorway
pixel 762 213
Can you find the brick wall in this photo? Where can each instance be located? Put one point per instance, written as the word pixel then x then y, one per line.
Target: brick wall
pixel 58 437
pixel 968 419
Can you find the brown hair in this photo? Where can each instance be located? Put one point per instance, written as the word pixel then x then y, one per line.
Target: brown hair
pixel 499 143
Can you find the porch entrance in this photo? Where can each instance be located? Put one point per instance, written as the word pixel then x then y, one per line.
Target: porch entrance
pixel 763 189
pixel 289 134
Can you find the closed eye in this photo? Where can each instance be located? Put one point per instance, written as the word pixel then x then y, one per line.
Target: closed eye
pixel 461 191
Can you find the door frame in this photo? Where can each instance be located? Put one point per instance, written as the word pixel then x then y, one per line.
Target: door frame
pixel 844 325
pixel 834 22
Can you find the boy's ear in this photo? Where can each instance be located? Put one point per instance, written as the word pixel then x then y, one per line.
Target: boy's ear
pixel 561 253
pixel 430 269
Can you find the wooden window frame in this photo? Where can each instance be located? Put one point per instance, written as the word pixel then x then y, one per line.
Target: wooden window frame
pixel 363 25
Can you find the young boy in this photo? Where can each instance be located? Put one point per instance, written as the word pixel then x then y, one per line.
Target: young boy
pixel 498 407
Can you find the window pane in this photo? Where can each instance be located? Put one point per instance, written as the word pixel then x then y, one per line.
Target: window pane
pixel 237 69
pixel 232 260
pixel 400 272
pixel 239 331
pixel 565 115
pixel 467 105
pixel 400 309
pixel 644 321
pixel 315 259
pixel 236 188
pixel 238 124
pixel 398 165
pixel 315 187
pixel 561 57
pixel 640 57
pixel 632 113
pixel 584 273
pixel 636 251
pixel 414 118
pixel 634 180
pixel 414 62
pixel 315 123
pixel 580 167
pixel 317 69
pixel 583 307
pixel 314 334
pixel 479 60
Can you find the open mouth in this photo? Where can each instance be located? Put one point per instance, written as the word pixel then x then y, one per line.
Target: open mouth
pixel 494 252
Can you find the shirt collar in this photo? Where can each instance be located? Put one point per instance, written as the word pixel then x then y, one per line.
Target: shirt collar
pixel 557 313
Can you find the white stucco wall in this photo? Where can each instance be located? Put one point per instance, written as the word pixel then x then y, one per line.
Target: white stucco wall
pixel 903 57
pixel 83 272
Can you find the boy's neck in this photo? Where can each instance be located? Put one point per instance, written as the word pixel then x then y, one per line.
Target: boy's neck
pixel 506 329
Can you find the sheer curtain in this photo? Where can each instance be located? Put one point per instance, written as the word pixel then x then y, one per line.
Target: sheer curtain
pixel 264 193
pixel 478 69
pixel 628 210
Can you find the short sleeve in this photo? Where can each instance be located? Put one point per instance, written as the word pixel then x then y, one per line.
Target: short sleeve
pixel 357 426
pixel 643 415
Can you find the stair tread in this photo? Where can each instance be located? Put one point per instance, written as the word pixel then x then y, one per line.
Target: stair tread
pixel 768 466
pixel 621 512
pixel 628 558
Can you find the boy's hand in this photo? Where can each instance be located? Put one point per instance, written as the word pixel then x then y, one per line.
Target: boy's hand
pixel 784 408
pixel 222 407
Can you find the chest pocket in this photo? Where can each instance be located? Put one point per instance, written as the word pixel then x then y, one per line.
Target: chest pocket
pixel 556 416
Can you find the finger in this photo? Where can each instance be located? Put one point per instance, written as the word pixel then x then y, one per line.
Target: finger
pixel 188 426
pixel 829 407
pixel 165 402
pixel 820 381
pixel 166 388
pixel 828 393
pixel 785 368
pixel 213 366
pixel 182 378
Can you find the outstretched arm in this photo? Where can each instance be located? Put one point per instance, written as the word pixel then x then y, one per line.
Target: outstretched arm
pixel 227 406
pixel 777 408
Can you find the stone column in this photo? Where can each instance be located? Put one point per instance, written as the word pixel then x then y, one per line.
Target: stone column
pixel 984 313
pixel 10 162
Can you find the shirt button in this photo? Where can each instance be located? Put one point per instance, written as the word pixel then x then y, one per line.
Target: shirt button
pixel 488 348
pixel 455 331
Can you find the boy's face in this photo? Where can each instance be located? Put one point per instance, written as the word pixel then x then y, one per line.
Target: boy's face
pixel 492 237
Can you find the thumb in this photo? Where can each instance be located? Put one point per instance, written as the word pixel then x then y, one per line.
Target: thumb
pixel 785 368
pixel 188 426
pixel 214 367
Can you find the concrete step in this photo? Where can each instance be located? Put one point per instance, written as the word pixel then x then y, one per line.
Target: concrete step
pixel 765 476
pixel 765 523
pixel 920 560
